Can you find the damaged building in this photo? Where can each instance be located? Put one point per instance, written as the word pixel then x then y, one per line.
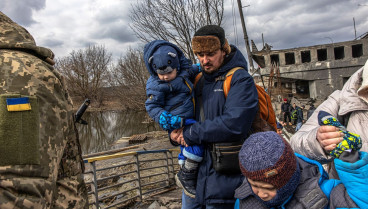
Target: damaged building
pixel 314 71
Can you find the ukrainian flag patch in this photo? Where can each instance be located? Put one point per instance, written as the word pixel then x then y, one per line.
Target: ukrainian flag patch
pixel 18 104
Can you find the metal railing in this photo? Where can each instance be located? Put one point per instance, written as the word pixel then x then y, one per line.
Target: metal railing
pixel 123 178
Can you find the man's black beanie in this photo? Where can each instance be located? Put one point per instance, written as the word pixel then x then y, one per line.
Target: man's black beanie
pixel 212 30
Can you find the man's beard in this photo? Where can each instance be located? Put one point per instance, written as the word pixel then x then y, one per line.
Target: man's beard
pixel 209 72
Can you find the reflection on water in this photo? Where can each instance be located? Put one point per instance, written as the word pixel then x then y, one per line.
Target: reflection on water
pixel 104 128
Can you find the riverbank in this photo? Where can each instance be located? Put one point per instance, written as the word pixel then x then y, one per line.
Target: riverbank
pixel 112 104
pixel 112 101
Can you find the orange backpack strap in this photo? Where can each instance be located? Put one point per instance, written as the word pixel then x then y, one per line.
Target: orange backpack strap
pixel 227 82
pixel 197 78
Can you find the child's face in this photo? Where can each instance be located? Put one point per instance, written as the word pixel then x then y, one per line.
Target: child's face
pixel 263 190
pixel 279 131
pixel 168 76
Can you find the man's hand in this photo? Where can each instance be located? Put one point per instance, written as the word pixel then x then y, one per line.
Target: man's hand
pixel 328 137
pixel 177 136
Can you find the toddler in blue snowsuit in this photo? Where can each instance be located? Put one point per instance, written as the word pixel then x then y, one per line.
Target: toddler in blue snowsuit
pixel 171 101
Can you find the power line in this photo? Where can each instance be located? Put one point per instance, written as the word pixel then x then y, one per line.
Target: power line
pixel 234 24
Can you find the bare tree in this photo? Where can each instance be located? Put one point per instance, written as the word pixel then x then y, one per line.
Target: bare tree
pixel 174 20
pixel 130 77
pixel 86 72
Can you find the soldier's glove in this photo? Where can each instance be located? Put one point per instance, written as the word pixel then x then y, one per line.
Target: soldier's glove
pixel 176 122
pixel 165 119
pixel 351 141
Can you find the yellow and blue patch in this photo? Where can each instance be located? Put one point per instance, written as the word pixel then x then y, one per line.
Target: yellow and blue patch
pixel 18 104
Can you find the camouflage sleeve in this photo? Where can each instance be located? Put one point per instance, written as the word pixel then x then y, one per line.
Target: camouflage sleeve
pixel 71 189
pixel 51 175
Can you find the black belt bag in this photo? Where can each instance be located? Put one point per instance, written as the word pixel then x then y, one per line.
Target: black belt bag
pixel 225 158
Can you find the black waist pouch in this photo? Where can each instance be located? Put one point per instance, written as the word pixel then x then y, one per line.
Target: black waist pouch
pixel 225 158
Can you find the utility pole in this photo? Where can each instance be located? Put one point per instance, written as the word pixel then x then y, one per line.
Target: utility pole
pixel 250 59
pixel 354 27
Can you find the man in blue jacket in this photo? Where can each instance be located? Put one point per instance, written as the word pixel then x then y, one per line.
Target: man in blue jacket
pixel 221 119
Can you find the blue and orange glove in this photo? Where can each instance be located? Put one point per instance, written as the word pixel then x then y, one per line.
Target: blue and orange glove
pixel 351 141
pixel 199 67
pixel 164 121
pixel 176 122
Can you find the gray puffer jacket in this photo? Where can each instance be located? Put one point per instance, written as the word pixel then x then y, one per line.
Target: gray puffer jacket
pixel 345 105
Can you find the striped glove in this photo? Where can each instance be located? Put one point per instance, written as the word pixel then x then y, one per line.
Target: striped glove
pixel 351 141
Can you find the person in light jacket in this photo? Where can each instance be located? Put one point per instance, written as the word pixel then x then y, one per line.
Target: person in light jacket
pixel 349 106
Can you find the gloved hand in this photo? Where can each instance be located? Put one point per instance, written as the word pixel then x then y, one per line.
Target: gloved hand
pixel 351 141
pixel 165 119
pixel 176 122
pixel 189 122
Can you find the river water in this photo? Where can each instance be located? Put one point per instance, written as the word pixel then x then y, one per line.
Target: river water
pixel 105 128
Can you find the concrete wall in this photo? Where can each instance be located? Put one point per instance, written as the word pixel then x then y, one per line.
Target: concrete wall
pixel 323 76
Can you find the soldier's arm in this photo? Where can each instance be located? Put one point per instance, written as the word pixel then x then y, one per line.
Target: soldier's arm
pixel 71 190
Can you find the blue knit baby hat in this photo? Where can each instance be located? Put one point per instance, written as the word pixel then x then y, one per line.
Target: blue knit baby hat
pixel 164 60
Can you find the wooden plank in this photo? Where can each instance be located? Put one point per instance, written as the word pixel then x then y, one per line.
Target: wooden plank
pixel 135 139
pixel 106 157
pixel 109 151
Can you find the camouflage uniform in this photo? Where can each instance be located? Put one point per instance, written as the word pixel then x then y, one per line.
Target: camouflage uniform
pixel 40 156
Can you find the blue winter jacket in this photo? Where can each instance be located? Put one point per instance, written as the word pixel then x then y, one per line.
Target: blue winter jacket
pixel 226 120
pixel 175 96
pixel 354 176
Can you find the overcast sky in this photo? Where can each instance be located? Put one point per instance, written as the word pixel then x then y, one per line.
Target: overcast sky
pixel 67 25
